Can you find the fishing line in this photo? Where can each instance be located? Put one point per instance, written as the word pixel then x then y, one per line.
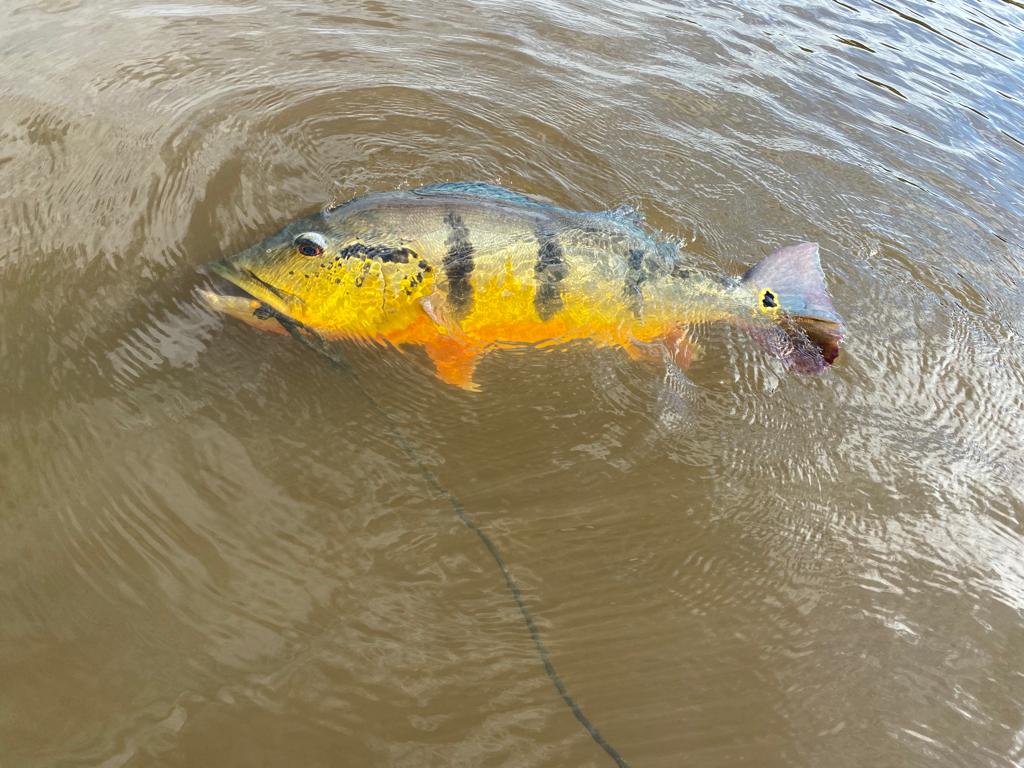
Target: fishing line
pixel 316 342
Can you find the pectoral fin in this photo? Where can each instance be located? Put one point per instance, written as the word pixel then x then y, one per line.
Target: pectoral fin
pixel 440 315
pixel 454 363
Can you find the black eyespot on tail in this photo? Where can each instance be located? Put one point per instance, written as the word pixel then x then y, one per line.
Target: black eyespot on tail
pixel 768 300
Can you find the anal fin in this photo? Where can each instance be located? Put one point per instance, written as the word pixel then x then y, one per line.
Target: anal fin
pixel 681 348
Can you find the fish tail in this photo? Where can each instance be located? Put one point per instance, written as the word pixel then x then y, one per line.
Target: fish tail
pixel 806 331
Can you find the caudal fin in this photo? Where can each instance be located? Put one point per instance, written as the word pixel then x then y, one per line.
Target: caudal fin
pixel 790 289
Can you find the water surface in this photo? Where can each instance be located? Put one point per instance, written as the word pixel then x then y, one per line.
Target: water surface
pixel 213 553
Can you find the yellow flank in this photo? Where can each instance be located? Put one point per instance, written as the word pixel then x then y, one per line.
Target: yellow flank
pixel 501 304
pixel 408 303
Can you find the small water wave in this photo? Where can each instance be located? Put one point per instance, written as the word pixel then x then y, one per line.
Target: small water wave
pixel 210 535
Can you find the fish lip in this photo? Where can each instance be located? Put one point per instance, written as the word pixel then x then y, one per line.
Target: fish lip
pixel 253 285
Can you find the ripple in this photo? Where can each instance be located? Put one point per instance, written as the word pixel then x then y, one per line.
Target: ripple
pixel 211 534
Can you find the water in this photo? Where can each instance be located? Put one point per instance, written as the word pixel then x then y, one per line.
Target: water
pixel 212 551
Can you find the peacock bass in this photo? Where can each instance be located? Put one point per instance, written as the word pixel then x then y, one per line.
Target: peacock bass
pixel 464 269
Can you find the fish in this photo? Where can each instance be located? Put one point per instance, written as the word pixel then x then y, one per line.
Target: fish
pixel 465 269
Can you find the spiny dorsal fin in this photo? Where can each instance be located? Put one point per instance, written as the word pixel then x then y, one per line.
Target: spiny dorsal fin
pixel 627 213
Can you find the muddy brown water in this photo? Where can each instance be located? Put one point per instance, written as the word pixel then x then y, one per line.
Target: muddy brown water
pixel 213 553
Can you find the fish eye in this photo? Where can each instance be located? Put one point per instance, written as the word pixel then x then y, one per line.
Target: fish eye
pixel 310 244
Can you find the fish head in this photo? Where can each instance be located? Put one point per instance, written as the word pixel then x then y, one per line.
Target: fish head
pixel 335 275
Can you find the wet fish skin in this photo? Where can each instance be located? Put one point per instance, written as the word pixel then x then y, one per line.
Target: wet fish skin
pixel 462 269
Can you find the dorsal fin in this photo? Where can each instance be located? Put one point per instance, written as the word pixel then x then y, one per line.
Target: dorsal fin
pixel 477 189
pixel 627 213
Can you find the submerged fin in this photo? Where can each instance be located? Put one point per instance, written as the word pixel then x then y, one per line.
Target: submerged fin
pixel 440 315
pixel 454 363
pixel 678 398
pixel 681 349
pixel 791 290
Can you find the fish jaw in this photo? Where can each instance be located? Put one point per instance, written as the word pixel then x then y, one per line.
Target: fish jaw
pixel 259 294
pixel 244 308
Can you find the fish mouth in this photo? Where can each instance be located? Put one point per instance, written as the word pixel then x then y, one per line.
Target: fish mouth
pixel 247 281
pixel 241 293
